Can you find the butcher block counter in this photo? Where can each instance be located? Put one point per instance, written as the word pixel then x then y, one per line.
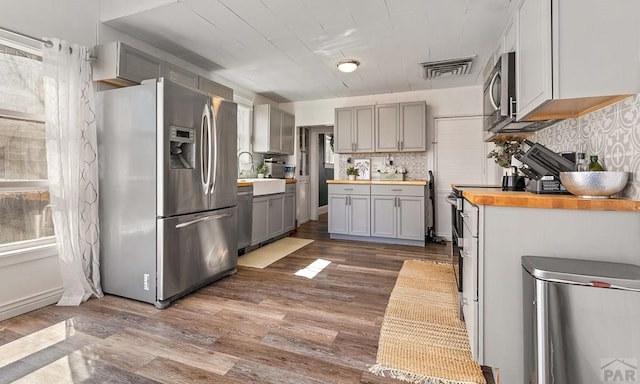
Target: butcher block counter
pixel 379 182
pixel 531 200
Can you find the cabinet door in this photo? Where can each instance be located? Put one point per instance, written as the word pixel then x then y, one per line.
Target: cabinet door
pixel 338 214
pixel 214 89
pixel 134 65
pixel 469 289
pixel 288 128
pixel 260 220
pixel 276 215
pixel 413 132
pixel 180 76
pixel 363 128
pixel 533 64
pixel 342 130
pixel 275 130
pixel 410 219
pixel 387 128
pixel 359 215
pixel 289 212
pixel 383 216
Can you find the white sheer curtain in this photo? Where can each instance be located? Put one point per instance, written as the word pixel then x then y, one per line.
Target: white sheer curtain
pixel 73 168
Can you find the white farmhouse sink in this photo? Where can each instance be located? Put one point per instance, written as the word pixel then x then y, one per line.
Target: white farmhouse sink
pixel 265 186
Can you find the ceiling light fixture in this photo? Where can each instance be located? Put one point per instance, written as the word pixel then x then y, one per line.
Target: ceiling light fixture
pixel 348 65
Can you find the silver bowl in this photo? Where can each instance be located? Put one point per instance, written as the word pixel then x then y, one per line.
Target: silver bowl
pixel 594 185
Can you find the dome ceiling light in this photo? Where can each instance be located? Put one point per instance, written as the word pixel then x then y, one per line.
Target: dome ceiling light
pixel 348 65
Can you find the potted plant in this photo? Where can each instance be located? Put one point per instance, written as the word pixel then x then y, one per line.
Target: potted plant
pixel 393 173
pixel 352 172
pixel 261 171
pixel 504 150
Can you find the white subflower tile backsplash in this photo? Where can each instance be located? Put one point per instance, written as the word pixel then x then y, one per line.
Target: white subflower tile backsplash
pixel 414 162
pixel 612 133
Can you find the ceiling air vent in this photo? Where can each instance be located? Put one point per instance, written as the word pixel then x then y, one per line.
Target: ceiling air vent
pixel 446 68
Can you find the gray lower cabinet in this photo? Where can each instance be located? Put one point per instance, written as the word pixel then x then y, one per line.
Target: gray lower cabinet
pixel 290 208
pixel 398 212
pixel 268 217
pixel 245 215
pixel 349 209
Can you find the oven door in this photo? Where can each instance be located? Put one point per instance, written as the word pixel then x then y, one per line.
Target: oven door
pixel 456 237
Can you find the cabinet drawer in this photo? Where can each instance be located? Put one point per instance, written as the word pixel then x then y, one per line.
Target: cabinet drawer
pixel 350 189
pixel 397 190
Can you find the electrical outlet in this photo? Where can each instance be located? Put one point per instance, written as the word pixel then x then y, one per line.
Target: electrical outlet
pixel 146 281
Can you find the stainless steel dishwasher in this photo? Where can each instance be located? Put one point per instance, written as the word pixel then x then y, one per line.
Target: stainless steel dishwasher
pixel 245 212
pixel 581 321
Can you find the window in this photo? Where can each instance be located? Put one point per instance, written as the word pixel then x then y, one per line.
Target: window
pixel 329 156
pixel 245 124
pixel 25 212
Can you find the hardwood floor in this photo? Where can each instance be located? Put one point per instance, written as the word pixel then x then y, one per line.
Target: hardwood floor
pixel 258 326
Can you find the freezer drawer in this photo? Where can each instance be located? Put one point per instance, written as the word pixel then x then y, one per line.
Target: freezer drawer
pixel 194 250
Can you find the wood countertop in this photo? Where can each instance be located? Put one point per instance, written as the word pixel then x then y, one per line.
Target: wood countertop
pixel 376 182
pixel 532 200
pixel 249 183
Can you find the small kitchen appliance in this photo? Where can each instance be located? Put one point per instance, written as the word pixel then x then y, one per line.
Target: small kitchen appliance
pixel 275 168
pixel 543 167
pixel 513 182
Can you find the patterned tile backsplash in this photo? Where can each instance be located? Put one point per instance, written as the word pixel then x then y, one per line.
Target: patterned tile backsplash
pixel 612 133
pixel 414 162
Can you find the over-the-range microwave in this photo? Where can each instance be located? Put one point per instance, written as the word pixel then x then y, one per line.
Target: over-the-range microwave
pixel 500 104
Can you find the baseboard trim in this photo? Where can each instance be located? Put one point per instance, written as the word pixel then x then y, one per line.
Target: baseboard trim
pixel 30 303
pixel 384 240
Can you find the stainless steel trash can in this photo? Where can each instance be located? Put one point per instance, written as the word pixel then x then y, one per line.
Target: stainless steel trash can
pixel 581 321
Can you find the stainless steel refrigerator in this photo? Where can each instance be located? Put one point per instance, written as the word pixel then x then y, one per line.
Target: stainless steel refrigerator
pixel 168 190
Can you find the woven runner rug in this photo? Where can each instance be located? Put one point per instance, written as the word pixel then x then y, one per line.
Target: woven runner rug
pixel 422 340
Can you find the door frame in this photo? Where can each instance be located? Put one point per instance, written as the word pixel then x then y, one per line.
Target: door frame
pixel 314 132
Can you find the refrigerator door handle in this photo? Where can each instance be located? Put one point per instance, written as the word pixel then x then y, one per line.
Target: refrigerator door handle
pixel 202 219
pixel 214 138
pixel 206 124
pixel 215 148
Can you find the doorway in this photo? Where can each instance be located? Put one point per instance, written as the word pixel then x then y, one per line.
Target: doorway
pixel 321 167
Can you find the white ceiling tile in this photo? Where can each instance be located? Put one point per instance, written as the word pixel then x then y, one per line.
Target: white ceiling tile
pixel 290 48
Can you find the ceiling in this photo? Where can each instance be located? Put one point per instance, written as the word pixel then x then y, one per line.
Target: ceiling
pixel 287 50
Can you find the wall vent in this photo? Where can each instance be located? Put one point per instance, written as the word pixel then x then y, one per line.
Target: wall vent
pixel 446 68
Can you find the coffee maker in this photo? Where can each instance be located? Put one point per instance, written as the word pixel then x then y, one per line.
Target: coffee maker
pixel 543 167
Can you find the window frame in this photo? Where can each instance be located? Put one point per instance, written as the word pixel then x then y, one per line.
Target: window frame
pixel 42 245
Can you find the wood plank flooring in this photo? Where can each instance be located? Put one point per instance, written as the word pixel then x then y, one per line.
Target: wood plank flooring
pixel 258 326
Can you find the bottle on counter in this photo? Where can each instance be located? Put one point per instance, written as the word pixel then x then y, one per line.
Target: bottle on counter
pixel 594 165
pixel 581 162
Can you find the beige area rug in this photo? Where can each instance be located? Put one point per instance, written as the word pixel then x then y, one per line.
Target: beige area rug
pixel 269 254
pixel 422 340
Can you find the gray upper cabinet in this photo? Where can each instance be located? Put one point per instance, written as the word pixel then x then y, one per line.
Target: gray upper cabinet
pixel 179 75
pixel 273 130
pixel 353 130
pixel 214 89
pixel 287 133
pixel 120 64
pixel 401 127
pixel 575 56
